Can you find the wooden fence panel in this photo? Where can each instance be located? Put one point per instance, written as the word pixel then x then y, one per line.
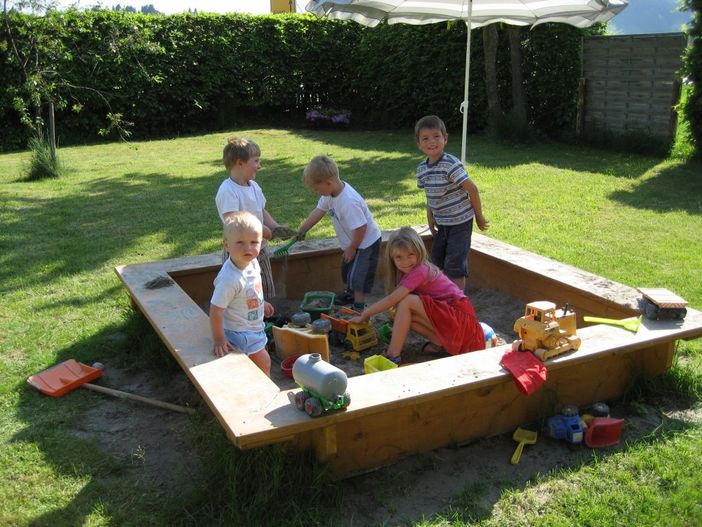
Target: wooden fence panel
pixel 630 84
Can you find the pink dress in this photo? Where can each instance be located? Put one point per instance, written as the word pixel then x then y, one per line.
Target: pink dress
pixel 448 308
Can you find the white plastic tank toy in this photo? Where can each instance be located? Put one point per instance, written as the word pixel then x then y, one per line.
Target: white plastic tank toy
pixel 323 385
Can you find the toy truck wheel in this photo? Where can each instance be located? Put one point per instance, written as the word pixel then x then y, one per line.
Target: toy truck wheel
pixel 347 399
pixel 348 345
pixel 300 398
pixel 569 410
pixel 651 310
pixel 335 338
pixel 313 407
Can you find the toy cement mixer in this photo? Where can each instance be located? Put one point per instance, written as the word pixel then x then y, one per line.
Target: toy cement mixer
pixel 323 385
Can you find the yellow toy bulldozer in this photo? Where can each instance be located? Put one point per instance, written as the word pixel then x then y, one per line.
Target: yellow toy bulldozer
pixel 546 331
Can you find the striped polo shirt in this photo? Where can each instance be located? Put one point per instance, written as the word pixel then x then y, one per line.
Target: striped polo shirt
pixel 441 182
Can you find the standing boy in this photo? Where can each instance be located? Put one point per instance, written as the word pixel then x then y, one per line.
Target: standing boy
pixel 453 200
pixel 237 307
pixel 242 159
pixel 356 230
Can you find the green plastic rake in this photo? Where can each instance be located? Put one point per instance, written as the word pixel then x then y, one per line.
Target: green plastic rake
pixel 283 249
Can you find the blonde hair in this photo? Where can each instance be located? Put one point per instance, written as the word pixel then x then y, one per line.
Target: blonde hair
pixel 239 148
pixel 405 239
pixel 320 169
pixel 240 221
pixel 429 122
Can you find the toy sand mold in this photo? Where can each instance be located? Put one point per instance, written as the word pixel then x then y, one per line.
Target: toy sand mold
pixel 446 401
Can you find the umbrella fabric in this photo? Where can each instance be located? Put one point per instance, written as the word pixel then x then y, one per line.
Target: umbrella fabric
pixel 580 13
pixel 475 13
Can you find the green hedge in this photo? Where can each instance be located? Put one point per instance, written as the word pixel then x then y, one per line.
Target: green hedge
pixel 187 73
pixel 693 72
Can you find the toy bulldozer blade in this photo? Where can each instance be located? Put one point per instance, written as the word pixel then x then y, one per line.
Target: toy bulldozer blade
pixel 632 324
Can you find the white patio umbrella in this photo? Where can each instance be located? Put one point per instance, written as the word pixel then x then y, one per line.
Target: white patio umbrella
pixel 475 13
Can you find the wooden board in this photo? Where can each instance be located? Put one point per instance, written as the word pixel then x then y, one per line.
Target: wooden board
pixel 662 297
pixel 419 407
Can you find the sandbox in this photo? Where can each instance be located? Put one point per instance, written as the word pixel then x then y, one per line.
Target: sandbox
pixel 417 407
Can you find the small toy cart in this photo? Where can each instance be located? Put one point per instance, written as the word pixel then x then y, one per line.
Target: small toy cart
pixel 317 302
pixel 661 304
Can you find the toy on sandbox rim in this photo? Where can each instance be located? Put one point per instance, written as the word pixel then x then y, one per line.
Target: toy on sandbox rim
pixel 661 304
pixel 323 385
pixel 545 331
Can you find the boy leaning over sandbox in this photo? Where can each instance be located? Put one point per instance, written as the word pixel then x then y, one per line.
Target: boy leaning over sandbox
pixel 358 233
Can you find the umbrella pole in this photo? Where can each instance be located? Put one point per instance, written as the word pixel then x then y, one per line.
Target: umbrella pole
pixel 464 105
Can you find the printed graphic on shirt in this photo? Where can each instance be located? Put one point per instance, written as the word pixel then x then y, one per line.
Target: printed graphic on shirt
pixel 253 302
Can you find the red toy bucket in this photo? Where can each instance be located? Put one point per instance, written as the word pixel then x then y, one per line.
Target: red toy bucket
pixel 603 431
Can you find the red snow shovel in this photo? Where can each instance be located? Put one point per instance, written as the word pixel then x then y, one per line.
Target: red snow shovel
pixel 70 374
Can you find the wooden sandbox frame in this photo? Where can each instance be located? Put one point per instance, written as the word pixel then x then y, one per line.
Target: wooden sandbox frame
pixel 419 407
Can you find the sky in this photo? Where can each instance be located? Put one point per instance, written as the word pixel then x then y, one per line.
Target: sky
pixel 641 16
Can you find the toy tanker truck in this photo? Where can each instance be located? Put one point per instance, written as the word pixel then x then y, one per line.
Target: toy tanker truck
pixel 323 385
pixel 545 331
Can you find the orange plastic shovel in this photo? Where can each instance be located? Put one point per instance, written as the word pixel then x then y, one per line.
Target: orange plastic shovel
pixel 71 374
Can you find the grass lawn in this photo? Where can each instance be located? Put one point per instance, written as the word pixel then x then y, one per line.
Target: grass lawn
pixel 629 218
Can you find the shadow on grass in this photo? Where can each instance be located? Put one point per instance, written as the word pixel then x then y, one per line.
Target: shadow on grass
pixel 140 465
pixel 673 188
pixel 108 219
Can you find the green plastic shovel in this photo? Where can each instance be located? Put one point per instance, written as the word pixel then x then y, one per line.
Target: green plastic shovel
pixel 632 323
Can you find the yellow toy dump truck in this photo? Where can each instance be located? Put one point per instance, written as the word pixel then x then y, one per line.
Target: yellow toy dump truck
pixel 354 337
pixel 546 331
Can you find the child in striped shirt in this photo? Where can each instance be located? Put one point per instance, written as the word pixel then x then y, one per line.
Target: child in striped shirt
pixel 453 200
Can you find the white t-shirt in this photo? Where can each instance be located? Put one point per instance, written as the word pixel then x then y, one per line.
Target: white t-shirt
pixel 233 197
pixel 240 293
pixel 349 211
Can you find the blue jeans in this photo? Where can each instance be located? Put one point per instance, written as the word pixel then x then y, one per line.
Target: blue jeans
pixel 451 247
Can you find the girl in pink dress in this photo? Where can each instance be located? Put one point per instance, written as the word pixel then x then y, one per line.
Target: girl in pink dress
pixel 427 301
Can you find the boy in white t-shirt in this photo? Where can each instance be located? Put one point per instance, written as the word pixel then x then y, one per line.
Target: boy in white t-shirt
pixel 356 230
pixel 242 159
pixel 237 306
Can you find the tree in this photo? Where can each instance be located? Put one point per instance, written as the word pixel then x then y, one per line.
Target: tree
pixel 495 115
pixel 39 54
pixel 518 114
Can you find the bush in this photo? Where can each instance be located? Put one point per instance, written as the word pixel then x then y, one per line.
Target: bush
pixel 178 74
pixel 692 67
pixel 43 164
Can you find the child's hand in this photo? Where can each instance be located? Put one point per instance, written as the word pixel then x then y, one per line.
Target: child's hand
pixel 267 233
pixel 281 232
pixel 483 223
pixel 360 319
pixel 268 309
pixel 349 254
pixel 432 226
pixel 221 348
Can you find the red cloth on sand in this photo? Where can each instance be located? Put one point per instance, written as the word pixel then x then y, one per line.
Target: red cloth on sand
pixel 455 324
